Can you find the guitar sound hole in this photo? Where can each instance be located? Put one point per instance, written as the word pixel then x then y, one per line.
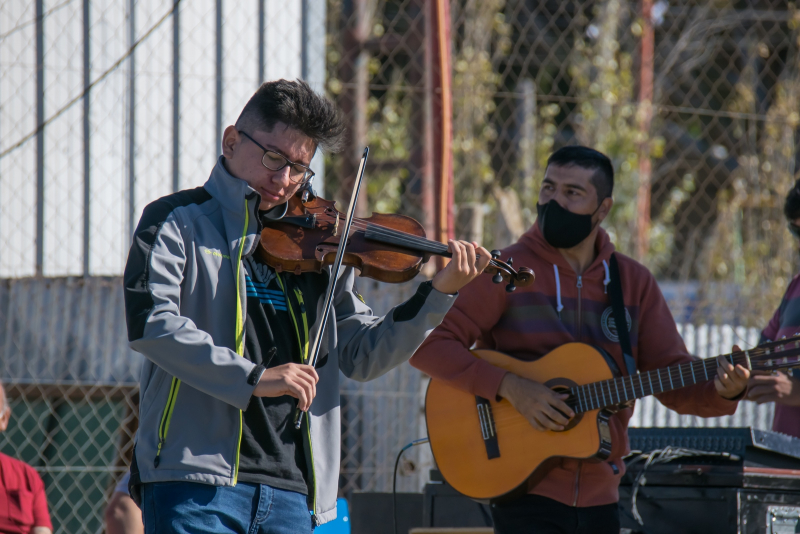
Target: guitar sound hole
pixel 562 385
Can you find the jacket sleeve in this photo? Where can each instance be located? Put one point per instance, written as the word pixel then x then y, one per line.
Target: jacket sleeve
pixel 370 346
pixel 660 345
pixel 445 354
pixel 770 333
pixel 156 328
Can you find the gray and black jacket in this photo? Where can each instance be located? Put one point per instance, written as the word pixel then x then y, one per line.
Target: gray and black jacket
pixel 185 304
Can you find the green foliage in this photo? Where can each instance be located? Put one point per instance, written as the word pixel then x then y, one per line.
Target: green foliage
pixel 750 246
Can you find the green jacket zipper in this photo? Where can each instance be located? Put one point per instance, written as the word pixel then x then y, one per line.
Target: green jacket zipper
pixel 240 331
pixel 303 342
pixel 163 427
pixel 166 418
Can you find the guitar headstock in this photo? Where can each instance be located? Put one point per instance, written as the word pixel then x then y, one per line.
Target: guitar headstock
pixel 781 354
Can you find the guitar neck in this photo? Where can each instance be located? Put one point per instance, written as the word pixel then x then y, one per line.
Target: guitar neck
pixel 608 393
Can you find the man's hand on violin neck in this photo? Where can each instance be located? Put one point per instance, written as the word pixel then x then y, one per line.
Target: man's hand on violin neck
pixel 464 266
pixel 293 379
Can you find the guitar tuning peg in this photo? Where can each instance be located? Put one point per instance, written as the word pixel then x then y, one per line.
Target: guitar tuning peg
pixel 495 254
pixel 510 288
pixel 497 278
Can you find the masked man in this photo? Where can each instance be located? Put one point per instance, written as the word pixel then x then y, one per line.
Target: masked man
pixel 569 302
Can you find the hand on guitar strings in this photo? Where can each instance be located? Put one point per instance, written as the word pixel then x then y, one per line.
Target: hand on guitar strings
pixel 462 268
pixel 541 406
pixel 730 382
pixel 293 379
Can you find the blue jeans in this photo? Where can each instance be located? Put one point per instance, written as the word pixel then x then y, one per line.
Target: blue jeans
pixel 188 507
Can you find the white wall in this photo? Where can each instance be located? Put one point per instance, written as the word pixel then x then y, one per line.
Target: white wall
pixel 109 117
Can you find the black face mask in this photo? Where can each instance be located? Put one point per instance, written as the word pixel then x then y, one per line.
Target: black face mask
pixel 562 228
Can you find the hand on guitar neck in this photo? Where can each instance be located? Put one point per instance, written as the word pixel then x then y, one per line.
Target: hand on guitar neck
pixel 730 382
pixel 546 410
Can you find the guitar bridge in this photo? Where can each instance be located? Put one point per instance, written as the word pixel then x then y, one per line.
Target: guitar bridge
pixel 488 428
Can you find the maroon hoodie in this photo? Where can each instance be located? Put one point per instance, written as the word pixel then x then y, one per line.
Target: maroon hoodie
pixel 561 307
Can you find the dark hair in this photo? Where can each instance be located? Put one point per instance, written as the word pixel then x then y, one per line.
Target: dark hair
pixel 587 158
pixel 298 106
pixel 792 206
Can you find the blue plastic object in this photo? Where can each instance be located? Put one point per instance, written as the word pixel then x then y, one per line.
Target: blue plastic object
pixel 340 525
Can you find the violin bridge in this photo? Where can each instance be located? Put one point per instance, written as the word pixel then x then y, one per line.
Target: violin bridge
pixel 336 225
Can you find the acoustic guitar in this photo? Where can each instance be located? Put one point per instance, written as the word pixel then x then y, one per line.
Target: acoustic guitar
pixel 486 449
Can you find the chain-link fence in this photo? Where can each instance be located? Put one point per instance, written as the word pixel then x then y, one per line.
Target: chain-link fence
pixel 107 105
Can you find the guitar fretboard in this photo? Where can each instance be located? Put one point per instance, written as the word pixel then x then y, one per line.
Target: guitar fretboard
pixel 607 393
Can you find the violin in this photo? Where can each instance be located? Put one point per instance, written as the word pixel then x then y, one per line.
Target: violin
pixel 385 247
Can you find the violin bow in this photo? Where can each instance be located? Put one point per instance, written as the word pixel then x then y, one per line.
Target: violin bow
pixel 337 264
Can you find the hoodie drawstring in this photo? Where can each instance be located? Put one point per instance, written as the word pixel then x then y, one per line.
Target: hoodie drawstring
pixel 559 306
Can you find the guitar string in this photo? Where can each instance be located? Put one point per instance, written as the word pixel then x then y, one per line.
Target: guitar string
pixel 594 400
pixel 756 355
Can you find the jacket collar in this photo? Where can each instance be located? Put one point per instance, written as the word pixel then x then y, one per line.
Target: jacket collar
pixel 228 190
pixel 231 193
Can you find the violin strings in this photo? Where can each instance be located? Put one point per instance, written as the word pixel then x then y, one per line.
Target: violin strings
pixel 409 240
pixel 360 224
pixel 402 238
pixel 384 230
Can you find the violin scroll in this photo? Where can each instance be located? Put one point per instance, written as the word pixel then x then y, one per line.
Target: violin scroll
pixel 504 272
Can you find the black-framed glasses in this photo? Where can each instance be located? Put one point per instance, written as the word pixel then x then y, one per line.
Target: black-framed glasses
pixel 298 173
pixel 795 230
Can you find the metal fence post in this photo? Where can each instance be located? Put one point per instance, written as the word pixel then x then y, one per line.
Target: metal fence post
pixel 176 99
pixel 39 137
pixel 262 40
pixel 87 144
pixel 131 120
pixel 218 70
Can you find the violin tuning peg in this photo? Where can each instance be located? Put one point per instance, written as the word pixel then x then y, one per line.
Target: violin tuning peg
pixel 495 254
pixel 497 278
pixel 510 288
pixel 510 261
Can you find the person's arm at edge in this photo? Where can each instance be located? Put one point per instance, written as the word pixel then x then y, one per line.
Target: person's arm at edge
pixel 42 524
pixel 122 516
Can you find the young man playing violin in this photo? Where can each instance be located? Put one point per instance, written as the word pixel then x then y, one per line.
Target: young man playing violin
pixel 226 338
pixel 569 302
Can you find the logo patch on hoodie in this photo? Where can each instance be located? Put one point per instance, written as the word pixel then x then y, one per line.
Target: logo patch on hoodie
pixel 610 326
